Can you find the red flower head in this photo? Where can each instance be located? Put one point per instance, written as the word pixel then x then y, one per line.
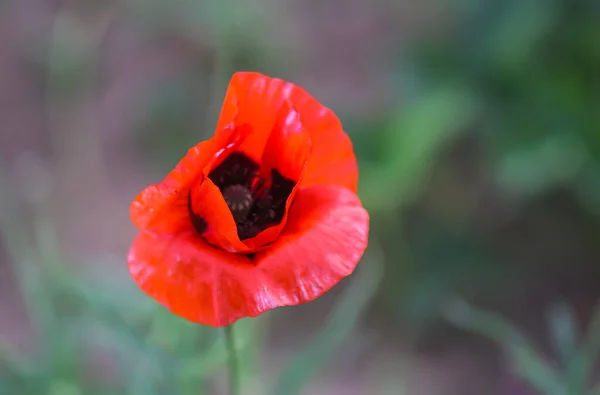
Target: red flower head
pixel 262 215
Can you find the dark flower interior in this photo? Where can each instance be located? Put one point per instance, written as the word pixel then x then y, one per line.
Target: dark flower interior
pixel 256 200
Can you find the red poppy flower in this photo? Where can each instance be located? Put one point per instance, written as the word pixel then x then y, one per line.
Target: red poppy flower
pixel 264 214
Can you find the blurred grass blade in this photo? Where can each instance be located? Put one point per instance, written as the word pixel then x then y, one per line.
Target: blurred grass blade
pixel 526 361
pixel 97 310
pixel 564 331
pixel 347 312
pixel 489 325
pixel 21 255
pixel 532 368
pixel 581 367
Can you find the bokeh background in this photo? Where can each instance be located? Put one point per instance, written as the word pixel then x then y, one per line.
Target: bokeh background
pixel 477 129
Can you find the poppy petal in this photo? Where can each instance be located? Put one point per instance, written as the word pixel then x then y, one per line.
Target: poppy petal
pixel 325 238
pixel 332 160
pixel 288 146
pixel 189 277
pixel 157 204
pixel 257 99
pixel 207 202
pixel 287 152
pixel 163 206
pixel 248 104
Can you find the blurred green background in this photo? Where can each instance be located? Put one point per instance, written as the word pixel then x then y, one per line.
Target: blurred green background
pixel 477 129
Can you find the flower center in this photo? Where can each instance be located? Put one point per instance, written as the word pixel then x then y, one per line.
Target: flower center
pixel 256 200
pixel 239 199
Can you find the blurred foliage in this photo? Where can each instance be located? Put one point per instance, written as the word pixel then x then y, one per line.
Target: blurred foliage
pixel 157 352
pixel 343 319
pixel 573 374
pixel 521 78
pixel 533 67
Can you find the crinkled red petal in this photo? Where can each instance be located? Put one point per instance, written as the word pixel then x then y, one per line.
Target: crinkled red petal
pixel 163 207
pixel 208 203
pixel 287 151
pixel 288 147
pixel 324 239
pixel 255 99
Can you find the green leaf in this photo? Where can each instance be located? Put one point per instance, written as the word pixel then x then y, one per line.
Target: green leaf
pixel 556 160
pixel 414 138
pixel 518 30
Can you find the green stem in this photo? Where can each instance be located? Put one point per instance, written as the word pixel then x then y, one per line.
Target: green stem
pixel 233 363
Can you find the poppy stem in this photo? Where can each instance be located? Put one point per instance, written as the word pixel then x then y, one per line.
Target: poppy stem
pixel 233 363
